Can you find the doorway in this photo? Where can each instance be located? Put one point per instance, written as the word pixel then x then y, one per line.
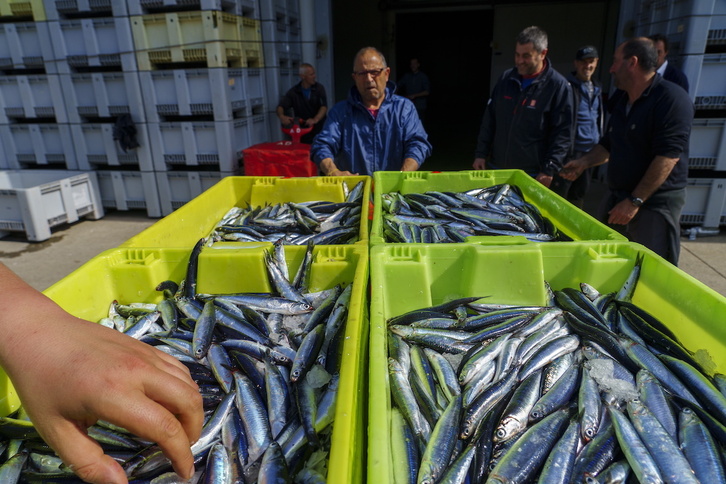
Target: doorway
pixel 453 48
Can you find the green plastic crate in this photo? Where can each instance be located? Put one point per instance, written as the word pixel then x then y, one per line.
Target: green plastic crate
pixel 410 276
pixel 131 275
pixel 196 219
pixel 570 220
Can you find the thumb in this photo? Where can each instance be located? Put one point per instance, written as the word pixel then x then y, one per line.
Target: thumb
pixel 83 455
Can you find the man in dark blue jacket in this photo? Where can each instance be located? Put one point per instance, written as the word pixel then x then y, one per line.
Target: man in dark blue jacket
pixel 667 69
pixel 645 146
pixel 528 122
pixel 373 130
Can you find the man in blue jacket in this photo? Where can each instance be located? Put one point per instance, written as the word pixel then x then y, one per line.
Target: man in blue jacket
pixel 528 121
pixel 588 122
pixel 374 129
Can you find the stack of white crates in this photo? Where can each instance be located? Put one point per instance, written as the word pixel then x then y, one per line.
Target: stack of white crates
pixel 188 76
pixel 696 30
pixel 283 50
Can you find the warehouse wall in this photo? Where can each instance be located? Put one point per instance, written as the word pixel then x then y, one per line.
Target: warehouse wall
pixel 594 25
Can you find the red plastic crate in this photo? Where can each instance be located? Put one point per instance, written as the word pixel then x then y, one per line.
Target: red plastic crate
pixel 284 158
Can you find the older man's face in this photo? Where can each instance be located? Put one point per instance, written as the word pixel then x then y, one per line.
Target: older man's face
pixel 370 78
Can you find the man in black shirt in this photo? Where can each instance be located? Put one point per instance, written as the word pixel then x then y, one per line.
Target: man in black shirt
pixel 305 101
pixel 646 144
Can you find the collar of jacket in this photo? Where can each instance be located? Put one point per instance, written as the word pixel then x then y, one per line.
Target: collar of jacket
pixel 573 79
pixel 313 87
pixel 656 80
pixel 543 76
pixel 355 99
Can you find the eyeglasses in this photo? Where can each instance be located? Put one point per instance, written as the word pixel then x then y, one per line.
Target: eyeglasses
pixel 373 73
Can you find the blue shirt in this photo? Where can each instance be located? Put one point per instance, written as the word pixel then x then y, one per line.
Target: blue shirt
pixel 361 143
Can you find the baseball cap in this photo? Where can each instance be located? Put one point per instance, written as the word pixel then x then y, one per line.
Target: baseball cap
pixel 587 52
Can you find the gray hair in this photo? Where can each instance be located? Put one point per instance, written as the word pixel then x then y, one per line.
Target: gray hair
pixel 644 49
pixel 367 49
pixel 303 67
pixel 534 35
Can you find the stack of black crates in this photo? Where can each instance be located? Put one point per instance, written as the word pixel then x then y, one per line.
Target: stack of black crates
pixel 191 82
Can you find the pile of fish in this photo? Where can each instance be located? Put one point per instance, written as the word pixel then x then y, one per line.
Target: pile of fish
pixel 588 389
pixel 434 217
pixel 267 366
pixel 317 222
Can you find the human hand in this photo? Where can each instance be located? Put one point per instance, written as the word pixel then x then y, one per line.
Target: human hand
pixel 544 179
pixel 286 121
pixel 69 373
pixel 622 213
pixel 337 172
pixel 572 170
pixel 480 164
pixel 309 122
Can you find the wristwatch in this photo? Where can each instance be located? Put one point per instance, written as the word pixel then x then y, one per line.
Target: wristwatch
pixel 637 202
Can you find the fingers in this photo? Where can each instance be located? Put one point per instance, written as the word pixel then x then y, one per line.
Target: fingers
pixel 82 454
pixel 167 423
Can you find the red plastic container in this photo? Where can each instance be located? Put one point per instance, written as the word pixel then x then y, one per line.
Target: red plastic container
pixel 284 158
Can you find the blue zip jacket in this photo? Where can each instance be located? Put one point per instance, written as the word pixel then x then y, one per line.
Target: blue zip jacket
pixel 359 143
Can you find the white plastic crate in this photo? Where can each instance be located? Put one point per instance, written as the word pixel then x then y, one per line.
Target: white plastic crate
pixel 129 190
pixel 179 187
pixel 96 149
pixel 4 165
pixel 103 42
pixel 31 97
pixel 293 7
pixel 247 8
pixel 216 144
pixel 259 129
pixel 658 11
pixel 34 201
pixel 26 45
pixel 38 146
pixel 102 95
pixel 63 9
pixel 702 31
pixel 219 93
pixel 707 145
pixel 707 77
pixel 255 85
pixel 271 9
pixel 705 202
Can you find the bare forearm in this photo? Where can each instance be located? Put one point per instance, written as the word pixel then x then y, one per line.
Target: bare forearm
pixel 574 168
pixel 321 114
pixel 409 164
pixel 598 155
pixel 654 177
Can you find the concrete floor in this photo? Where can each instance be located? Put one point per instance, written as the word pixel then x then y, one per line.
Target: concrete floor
pixel 43 263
